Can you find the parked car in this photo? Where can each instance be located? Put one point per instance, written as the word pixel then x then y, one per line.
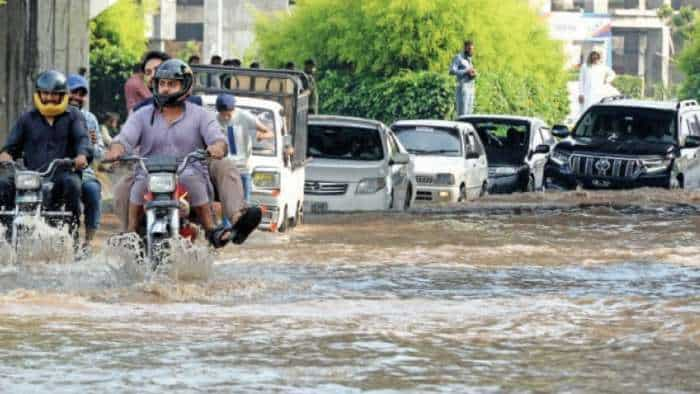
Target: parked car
pixel 356 165
pixel 450 160
pixel 624 143
pixel 278 164
pixel 517 149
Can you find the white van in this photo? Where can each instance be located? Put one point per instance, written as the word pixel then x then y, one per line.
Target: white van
pixel 450 160
pixel 356 165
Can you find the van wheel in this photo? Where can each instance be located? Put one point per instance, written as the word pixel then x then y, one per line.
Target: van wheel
pixel 298 216
pixel 484 190
pixel 462 193
pixel 407 202
pixel 530 185
pixel 284 226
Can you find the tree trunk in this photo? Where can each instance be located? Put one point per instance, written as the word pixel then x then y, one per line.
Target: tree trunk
pixel 36 35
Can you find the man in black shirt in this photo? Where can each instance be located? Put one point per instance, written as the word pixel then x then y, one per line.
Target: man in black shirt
pixel 52 130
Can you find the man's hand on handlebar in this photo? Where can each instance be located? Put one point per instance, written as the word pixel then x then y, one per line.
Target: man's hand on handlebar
pixel 217 150
pixel 81 162
pixel 5 157
pixel 114 153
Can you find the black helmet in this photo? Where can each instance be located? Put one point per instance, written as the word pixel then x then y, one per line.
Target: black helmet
pixel 173 69
pixel 51 81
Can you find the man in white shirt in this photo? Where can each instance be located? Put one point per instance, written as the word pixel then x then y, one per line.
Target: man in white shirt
pixel 240 127
pixel 462 68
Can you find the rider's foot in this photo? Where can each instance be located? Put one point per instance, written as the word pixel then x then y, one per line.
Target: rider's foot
pixel 219 236
pixel 246 224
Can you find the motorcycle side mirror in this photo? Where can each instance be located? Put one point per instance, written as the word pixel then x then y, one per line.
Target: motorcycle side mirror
pixel 560 131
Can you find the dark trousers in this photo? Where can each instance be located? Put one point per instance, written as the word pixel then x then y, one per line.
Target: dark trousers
pixel 66 190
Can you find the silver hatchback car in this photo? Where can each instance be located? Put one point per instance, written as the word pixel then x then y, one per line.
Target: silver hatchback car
pixel 356 165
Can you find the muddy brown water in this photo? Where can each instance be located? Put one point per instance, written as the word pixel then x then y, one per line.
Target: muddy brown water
pixel 577 292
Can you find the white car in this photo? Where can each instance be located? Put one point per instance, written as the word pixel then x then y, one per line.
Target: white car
pixel 450 160
pixel 278 186
pixel 356 165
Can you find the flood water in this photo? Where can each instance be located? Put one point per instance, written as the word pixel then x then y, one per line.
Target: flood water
pixel 542 297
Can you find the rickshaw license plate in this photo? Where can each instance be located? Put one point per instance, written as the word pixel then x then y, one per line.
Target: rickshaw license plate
pixel 263 178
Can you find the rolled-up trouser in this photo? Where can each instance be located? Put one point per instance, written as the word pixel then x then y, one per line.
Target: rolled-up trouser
pixel 224 176
pixel 465 95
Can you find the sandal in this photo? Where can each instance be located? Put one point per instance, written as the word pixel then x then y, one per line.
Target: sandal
pixel 216 238
pixel 246 224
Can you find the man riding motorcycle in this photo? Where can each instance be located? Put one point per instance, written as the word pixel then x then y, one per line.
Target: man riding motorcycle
pixel 173 127
pixel 50 131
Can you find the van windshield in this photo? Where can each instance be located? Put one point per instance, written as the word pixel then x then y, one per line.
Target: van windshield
pixel 430 140
pixel 344 143
pixel 267 146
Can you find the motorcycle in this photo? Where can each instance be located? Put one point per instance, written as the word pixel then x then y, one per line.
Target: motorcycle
pixel 32 190
pixel 166 210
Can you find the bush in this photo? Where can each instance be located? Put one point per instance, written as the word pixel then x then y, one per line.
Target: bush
pixel 117 41
pixel 383 42
pixel 629 85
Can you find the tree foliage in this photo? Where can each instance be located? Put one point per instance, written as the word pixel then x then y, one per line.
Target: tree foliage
pixel 376 41
pixel 117 42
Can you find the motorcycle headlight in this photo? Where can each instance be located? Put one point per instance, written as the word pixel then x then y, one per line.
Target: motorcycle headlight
pixel 161 183
pixel 504 171
pixel 560 157
pixel 370 185
pixel 656 165
pixel 266 179
pixel 445 179
pixel 27 181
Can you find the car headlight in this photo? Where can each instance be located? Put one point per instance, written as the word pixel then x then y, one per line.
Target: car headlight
pixel 444 179
pixel 370 185
pixel 560 157
pixel 503 171
pixel 656 165
pixel 161 183
pixel 27 181
pixel 266 179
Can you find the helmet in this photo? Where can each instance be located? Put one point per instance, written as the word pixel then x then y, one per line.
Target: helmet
pixel 51 81
pixel 173 69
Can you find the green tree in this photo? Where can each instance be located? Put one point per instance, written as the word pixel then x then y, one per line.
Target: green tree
pixel 117 42
pixel 373 42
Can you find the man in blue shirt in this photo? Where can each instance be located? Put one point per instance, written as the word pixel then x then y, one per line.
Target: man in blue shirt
pixel 462 68
pixel 91 186
pixel 52 130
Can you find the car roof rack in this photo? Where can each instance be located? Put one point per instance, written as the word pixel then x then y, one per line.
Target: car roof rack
pixel 613 98
pixel 686 103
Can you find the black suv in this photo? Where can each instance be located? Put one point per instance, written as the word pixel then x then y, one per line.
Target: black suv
pixel 624 143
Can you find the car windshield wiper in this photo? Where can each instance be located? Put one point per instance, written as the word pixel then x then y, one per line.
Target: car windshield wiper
pixel 419 151
pixel 443 151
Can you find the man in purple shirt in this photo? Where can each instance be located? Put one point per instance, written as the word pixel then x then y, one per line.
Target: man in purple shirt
pixel 173 127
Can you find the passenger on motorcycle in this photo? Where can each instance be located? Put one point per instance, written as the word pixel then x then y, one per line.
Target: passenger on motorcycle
pixel 173 127
pixel 50 131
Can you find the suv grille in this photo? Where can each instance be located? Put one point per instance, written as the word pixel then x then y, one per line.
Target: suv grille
pixel 424 179
pixel 325 188
pixel 605 167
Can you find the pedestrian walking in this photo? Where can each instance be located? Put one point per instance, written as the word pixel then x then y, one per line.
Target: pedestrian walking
pixel 463 69
pixel 595 80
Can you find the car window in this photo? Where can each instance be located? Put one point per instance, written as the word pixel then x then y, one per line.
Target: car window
pixel 471 144
pixel 694 124
pixel 344 143
pixel 478 145
pixel 265 147
pixel 506 141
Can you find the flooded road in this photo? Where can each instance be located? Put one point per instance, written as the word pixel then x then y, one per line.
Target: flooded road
pixel 488 297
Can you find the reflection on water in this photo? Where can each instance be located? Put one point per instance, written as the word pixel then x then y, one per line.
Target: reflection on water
pixel 576 299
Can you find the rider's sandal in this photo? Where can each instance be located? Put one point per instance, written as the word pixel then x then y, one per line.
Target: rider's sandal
pixel 215 236
pixel 246 224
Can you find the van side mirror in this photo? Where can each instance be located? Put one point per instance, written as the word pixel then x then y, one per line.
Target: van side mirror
pixel 692 141
pixel 400 158
pixel 543 149
pixel 472 155
pixel 560 131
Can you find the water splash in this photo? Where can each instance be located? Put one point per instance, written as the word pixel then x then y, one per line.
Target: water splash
pixel 39 243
